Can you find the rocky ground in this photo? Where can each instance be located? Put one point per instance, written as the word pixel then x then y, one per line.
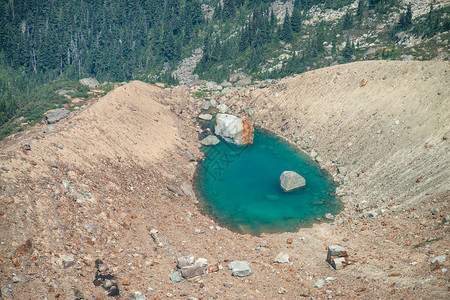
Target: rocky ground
pixel 102 202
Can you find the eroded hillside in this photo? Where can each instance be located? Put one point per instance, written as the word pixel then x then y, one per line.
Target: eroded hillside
pixel 108 192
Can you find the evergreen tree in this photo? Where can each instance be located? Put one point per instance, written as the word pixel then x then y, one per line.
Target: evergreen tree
pixel 360 10
pixel 296 20
pixel 348 51
pixel 286 30
pixel 347 21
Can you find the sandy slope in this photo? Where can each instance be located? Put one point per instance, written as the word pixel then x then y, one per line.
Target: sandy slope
pixel 133 149
pixel 384 121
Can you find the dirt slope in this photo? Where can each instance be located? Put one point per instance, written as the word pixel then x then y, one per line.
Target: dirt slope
pixel 129 159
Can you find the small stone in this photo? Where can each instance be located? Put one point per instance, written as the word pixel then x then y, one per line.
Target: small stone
pixel 187 189
pixel 19 279
pixel 192 271
pixel 240 268
pixel 59 145
pixel 206 105
pixel 68 261
pixel 282 258
pixel 210 140
pixel 206 117
pixel 175 277
pixel 213 268
pixel 319 283
pixel 185 261
pixel 335 250
pixel 438 260
pixel 446 219
pixel 150 289
pixel 139 296
pixel 329 279
pixel 227 285
pixel 203 262
pixel 223 109
pixel 313 154
pixel 126 282
pixel 329 216
pixel 282 290
pixel 289 241
pixel 57 115
pixel 339 263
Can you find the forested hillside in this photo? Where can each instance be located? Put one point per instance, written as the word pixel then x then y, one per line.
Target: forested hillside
pixel 49 45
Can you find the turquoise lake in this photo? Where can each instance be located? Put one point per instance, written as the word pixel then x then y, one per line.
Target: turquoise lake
pixel 238 187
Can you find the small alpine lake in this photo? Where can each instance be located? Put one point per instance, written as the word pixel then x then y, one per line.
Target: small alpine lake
pixel 239 187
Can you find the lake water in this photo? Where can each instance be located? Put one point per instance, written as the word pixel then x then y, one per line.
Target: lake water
pixel 238 187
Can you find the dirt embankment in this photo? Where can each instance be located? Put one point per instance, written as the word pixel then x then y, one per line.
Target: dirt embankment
pixel 94 186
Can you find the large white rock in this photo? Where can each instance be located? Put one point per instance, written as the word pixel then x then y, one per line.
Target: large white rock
pixel 289 181
pixel 233 129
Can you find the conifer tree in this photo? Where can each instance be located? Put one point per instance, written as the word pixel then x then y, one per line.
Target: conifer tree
pixel 296 20
pixel 286 30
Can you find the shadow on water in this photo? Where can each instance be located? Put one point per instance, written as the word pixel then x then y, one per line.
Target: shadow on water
pixel 238 186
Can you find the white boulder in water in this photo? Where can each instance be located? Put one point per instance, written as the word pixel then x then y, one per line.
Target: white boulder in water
pixel 290 181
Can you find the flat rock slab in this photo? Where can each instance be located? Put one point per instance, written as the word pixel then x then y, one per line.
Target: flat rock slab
pixel 192 271
pixel 57 115
pixel 206 117
pixel 240 268
pixel 290 181
pixel 210 140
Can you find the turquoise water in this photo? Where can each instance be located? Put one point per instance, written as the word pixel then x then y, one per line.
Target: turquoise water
pixel 239 187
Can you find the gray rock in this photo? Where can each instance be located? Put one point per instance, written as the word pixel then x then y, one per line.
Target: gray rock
pixel 338 263
pixel 57 115
pixel 206 117
pixel 229 90
pixel 213 102
pixel 139 296
pixel 59 145
pixel 187 189
pixel 185 261
pixel 289 181
pixel 243 82
pixel 446 219
pixel 238 76
pixel 313 154
pixel 19 278
pixel 233 129
pixel 226 84
pixel 90 82
pixel 192 271
pixel 282 258
pixel 203 262
pixel 240 268
pixel 210 140
pixel 174 189
pixel 222 108
pixel 68 262
pixel 205 105
pixel 335 250
pixel 319 283
pixel 329 216
pixel 175 277
pixel 438 259
pixel 6 291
